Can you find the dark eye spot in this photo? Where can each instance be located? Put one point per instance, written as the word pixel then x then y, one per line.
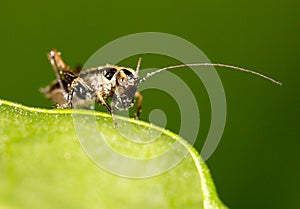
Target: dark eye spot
pixel 127 72
pixel 110 73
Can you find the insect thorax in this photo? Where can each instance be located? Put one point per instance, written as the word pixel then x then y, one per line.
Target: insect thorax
pixel 108 81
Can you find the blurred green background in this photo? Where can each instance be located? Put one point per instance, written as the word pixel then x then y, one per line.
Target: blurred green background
pixel 256 164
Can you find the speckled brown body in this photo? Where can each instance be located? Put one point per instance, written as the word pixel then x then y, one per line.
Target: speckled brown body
pixel 79 88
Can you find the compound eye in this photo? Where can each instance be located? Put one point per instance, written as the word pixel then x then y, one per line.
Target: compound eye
pixel 110 73
pixel 127 72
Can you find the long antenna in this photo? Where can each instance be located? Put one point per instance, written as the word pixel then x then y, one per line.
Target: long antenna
pixel 208 64
pixel 138 66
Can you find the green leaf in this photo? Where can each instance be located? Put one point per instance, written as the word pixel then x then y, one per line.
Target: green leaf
pixel 43 165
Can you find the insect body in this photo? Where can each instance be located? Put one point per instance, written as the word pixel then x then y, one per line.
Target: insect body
pixel 97 84
pixel 79 88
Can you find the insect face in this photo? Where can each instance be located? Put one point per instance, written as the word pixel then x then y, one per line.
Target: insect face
pixel 126 87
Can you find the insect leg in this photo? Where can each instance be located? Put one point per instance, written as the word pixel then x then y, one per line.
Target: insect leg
pixel 62 106
pixel 68 104
pixel 60 90
pixel 58 65
pixel 138 111
pixel 109 109
pixel 70 98
pixel 103 102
